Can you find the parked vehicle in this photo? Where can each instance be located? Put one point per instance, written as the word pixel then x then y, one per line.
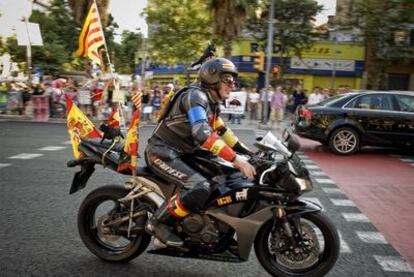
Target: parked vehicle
pixel 291 237
pixel 350 121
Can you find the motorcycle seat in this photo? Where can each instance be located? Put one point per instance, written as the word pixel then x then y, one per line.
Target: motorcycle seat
pixel 144 171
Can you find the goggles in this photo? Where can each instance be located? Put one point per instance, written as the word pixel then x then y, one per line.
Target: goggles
pixel 228 80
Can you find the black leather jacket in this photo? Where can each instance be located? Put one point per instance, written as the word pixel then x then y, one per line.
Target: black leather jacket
pixel 193 121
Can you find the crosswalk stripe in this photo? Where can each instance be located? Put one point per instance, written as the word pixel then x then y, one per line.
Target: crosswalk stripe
pixel 355 217
pixel 332 190
pixel 4 165
pixel 343 202
pixel 52 148
pixel 310 166
pixel 317 173
pixel 371 237
pixel 393 264
pixel 344 245
pixel 407 160
pixel 324 181
pixel 25 156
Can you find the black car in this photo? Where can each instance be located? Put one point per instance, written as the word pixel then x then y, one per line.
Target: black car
pixel 365 118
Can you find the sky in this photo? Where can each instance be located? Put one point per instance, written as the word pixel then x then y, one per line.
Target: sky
pixel 126 14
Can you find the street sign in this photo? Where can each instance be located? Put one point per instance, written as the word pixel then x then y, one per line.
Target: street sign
pixel 31 34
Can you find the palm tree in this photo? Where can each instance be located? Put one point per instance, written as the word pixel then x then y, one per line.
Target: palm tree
pixel 228 20
pixel 80 9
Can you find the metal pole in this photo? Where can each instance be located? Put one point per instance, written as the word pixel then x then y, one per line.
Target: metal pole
pixel 28 51
pixel 334 63
pixel 269 57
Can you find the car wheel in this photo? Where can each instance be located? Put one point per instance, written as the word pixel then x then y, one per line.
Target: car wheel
pixel 344 141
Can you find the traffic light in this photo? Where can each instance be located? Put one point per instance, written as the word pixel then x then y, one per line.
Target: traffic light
pixel 259 61
pixel 276 71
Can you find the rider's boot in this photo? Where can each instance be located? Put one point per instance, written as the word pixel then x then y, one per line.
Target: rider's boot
pixel 163 218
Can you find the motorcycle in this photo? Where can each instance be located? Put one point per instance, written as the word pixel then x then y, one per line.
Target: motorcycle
pixel 291 237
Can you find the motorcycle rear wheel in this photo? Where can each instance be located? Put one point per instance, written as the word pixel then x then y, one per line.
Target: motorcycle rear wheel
pixel 322 263
pixel 107 246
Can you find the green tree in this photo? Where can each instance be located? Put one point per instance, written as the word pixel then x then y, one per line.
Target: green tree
pixel 293 27
pixel 385 25
pixel 179 29
pixel 126 52
pixel 228 19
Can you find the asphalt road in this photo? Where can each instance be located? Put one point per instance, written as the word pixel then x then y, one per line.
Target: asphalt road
pixel 38 232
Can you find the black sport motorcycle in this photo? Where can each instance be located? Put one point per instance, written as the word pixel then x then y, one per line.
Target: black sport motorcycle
pixel 291 237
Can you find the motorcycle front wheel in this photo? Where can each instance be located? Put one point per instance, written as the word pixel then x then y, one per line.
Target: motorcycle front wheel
pixel 100 207
pixel 315 255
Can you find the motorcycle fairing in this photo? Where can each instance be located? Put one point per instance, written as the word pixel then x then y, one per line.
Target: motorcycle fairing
pixel 246 228
pixel 300 207
pixel 81 177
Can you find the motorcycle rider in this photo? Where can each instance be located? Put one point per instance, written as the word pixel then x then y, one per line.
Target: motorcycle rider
pixel 192 120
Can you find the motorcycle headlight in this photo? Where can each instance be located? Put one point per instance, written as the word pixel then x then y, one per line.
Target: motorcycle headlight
pixel 305 185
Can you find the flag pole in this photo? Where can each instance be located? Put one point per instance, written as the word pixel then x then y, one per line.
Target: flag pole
pixel 113 79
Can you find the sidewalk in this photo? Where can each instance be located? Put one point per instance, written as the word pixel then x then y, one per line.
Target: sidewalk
pixel 245 124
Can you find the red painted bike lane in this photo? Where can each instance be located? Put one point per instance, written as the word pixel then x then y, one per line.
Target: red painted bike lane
pixel 380 185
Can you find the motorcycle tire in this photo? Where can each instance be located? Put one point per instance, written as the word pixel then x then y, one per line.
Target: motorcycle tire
pixel 89 233
pixel 326 260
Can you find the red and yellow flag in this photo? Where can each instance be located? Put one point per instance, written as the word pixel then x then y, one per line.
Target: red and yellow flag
pixel 114 118
pixel 79 126
pixel 131 145
pixel 91 37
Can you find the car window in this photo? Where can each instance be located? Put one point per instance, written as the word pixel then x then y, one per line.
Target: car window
pixel 372 102
pixel 406 103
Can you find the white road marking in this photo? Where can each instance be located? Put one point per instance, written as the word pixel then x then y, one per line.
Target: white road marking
pixel 325 181
pixel 317 173
pixel 355 217
pixel 371 237
pixel 393 263
pixel 4 165
pixel 332 190
pixel 343 202
pixel 67 142
pixel 344 245
pixel 314 200
pixel 310 166
pixel 52 148
pixel 408 160
pixel 25 156
pixel 307 162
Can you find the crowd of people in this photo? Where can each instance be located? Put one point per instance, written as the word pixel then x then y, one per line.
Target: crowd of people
pixel 269 106
pixel 277 103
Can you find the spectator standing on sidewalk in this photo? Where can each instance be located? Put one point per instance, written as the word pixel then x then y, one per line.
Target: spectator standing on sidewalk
pixel 299 98
pixel 278 104
pixel 266 103
pixel 253 104
pixel 156 104
pixel 315 97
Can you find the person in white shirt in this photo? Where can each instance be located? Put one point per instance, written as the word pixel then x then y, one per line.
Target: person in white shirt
pixel 253 104
pixel 266 114
pixel 315 97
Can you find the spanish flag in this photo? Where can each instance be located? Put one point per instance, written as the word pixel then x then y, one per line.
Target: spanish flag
pixel 114 118
pixel 131 145
pixel 79 126
pixel 92 37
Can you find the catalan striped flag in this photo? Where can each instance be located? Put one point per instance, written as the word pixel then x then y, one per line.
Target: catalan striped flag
pixel 92 37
